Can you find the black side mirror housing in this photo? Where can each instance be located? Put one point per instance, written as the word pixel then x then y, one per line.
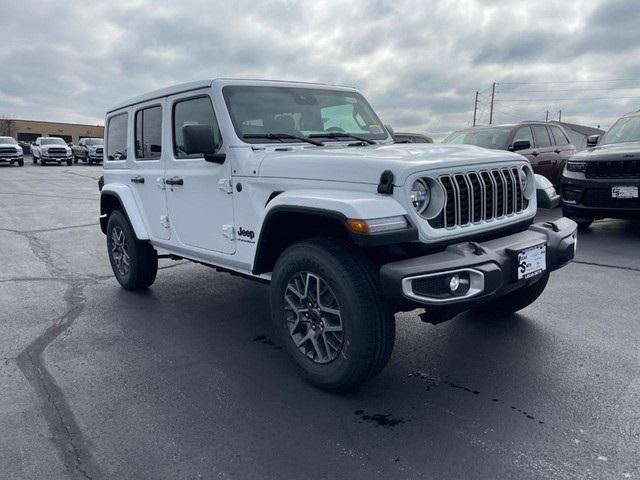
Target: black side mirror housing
pixel 199 139
pixel 592 140
pixel 520 145
pixel 389 129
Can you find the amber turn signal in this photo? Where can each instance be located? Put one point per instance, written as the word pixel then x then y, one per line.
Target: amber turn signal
pixel 357 226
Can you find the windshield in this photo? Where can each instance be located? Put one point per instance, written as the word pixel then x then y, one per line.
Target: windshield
pixel 495 138
pixel 627 129
pixel 257 111
pixel 93 141
pixel 52 141
pixel 8 140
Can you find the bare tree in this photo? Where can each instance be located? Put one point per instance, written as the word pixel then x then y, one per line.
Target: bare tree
pixel 6 126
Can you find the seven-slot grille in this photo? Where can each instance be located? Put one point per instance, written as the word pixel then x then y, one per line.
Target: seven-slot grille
pixel 56 152
pixel 473 197
pixel 613 169
pixel 8 151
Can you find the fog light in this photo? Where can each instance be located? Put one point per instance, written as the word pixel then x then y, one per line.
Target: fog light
pixel 454 283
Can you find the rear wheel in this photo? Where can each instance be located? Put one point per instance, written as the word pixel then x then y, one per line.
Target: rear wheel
pixel 514 301
pixel 327 311
pixel 134 262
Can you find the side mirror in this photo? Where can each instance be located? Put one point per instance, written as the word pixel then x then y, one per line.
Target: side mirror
pixel 199 139
pixel 520 145
pixel 389 129
pixel 592 140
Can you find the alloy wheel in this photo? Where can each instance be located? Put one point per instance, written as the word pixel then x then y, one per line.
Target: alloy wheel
pixel 313 317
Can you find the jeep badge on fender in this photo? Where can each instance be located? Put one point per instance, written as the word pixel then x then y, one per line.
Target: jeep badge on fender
pixel 346 226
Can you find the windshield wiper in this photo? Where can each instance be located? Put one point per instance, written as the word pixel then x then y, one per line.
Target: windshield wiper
pixel 282 136
pixel 341 135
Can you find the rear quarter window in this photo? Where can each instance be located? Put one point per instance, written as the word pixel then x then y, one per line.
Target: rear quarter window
pixel 117 137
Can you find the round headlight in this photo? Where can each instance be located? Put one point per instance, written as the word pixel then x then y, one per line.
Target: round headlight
pixel 524 180
pixel 420 195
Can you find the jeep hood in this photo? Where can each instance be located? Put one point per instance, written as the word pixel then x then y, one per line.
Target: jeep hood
pixel 612 151
pixel 341 163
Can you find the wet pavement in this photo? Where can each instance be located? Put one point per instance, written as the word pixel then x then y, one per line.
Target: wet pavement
pixel 186 380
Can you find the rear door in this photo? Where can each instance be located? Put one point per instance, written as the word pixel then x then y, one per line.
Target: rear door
pixel 148 167
pixel 543 152
pixel 564 149
pixel 199 193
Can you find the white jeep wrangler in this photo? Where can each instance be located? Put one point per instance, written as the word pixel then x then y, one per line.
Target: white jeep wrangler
pixel 300 185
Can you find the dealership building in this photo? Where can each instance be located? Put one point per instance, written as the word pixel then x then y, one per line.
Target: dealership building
pixel 28 130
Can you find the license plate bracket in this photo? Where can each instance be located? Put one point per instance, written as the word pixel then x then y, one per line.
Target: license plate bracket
pixel 623 192
pixel 531 261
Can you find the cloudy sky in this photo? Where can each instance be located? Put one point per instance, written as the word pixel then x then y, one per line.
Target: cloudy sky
pixel 419 63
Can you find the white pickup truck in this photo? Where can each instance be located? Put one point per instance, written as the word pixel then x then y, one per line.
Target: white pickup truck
pixel 51 150
pixel 300 186
pixel 10 151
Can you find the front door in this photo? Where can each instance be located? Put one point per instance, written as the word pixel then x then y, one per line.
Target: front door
pixel 543 154
pixel 199 195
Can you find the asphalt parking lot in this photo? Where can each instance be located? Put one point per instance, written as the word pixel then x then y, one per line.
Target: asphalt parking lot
pixel 184 381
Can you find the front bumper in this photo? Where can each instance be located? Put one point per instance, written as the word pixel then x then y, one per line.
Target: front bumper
pixel 591 197
pixel 11 159
pixel 491 264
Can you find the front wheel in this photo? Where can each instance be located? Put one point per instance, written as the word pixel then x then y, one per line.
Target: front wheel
pixel 21 162
pixel 35 159
pixel 134 262
pixel 514 301
pixel 327 312
pixel 69 162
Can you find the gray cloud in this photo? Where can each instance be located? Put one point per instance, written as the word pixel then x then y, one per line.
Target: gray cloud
pixel 419 63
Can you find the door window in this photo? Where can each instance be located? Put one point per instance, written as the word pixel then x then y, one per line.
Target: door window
pixel 117 137
pixel 194 111
pixel 541 134
pixel 148 133
pixel 524 133
pixel 559 136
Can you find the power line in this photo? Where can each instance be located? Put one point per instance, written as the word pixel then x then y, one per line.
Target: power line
pixel 572 81
pixel 565 99
pixel 569 90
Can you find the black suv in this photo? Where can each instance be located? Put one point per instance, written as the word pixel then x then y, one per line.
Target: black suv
pixel 547 146
pixel 411 138
pixel 603 181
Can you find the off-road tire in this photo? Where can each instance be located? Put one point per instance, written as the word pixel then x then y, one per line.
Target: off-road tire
pixel 368 323
pixel 514 301
pixel 143 258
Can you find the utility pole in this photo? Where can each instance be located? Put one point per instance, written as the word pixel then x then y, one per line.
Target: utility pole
pixel 493 96
pixel 475 109
pixel 560 116
pixel 546 117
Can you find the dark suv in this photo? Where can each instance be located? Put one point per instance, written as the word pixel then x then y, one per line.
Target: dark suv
pixel 603 180
pixel 411 138
pixel 546 146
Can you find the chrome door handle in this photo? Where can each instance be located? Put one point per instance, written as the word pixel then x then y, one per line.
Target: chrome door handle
pixel 174 181
pixel 137 179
